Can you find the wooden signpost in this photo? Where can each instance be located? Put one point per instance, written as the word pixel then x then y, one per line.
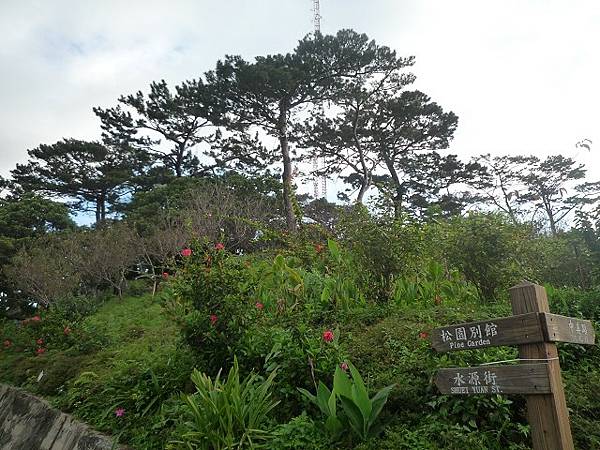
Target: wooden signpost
pixel 535 330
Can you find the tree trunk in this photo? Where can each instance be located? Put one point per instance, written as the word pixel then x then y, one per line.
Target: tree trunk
pixel 397 199
pixel 397 204
pixel 550 214
pixel 100 208
pixel 179 160
pixel 553 228
pixel 364 187
pixel 154 286
pixel 288 193
pixel 366 174
pixel 98 214
pixel 103 207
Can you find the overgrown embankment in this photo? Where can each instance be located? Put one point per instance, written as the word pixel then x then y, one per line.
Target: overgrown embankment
pixel 28 423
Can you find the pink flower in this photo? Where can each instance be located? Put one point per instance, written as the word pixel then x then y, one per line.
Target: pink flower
pixel 186 252
pixel 40 351
pixel 423 335
pixel 165 275
pixel 67 331
pixel 7 343
pixel 328 336
pixel 259 306
pixel 213 319
pixel 344 366
pixel 119 412
pixel 36 318
pixel 39 342
pixel 219 246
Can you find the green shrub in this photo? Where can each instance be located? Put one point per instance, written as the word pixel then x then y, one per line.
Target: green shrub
pixel 209 302
pixel 382 249
pixel 361 412
pixel 490 251
pixel 136 387
pixel 229 413
pixel 433 285
pixel 297 349
pixel 299 433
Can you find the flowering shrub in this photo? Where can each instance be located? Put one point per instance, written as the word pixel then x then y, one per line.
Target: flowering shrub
pixel 211 303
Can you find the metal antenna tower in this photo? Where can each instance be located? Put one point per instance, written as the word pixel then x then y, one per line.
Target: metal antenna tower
pixel 317 25
pixel 317 16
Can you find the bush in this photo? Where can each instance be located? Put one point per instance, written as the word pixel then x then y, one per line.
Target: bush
pixel 229 413
pixel 360 411
pixel 210 293
pixel 383 249
pixel 299 433
pixel 490 251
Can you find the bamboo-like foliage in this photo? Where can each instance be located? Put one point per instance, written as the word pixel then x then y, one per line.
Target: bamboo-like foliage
pixel 228 413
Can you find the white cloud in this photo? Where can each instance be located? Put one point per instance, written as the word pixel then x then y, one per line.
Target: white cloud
pixel 521 75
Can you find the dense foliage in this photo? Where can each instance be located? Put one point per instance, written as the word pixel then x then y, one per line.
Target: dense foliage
pixel 285 321
pixel 211 307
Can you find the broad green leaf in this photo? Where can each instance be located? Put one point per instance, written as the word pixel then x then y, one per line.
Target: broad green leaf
pixel 378 401
pixel 341 383
pixel 355 417
pixel 334 249
pixel 359 393
pixel 323 395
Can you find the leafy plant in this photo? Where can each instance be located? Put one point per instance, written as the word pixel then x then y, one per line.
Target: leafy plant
pixel 360 411
pixel 228 414
pixel 433 284
pixel 280 282
pixel 300 432
pixel 326 400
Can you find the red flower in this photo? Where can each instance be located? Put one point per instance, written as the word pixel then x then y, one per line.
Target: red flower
pixel 39 342
pixel 219 246
pixel 213 319
pixel 40 351
pixel 165 275
pixel 423 335
pixel 36 318
pixel 328 336
pixel 319 248
pixel 344 366
pixel 259 306
pixel 67 331
pixel 186 252
pixel 7 343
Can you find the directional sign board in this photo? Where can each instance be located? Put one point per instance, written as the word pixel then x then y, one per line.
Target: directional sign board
pixel 568 329
pixel 524 328
pixel 519 379
pixel 514 330
pixel 534 329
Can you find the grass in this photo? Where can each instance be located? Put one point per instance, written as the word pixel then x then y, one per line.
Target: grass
pixel 129 332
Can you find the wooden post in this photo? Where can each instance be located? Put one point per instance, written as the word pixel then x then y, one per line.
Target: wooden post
pixel 547 413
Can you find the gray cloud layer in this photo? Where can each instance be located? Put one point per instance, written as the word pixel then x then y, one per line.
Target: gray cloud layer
pixel 521 75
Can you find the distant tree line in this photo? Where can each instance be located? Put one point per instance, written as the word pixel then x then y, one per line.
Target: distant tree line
pixel 342 98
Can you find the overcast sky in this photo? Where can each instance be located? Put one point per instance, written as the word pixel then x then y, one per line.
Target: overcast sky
pixel 522 75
